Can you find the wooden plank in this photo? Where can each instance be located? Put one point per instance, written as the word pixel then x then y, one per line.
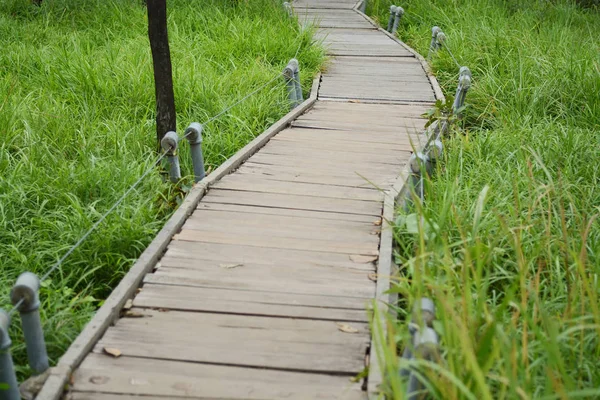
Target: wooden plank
pixel 294 175
pixel 127 376
pixel 235 254
pixel 212 216
pixel 282 343
pixel 326 166
pixel 260 238
pixel 216 269
pixel 332 154
pixel 111 307
pixel 289 211
pixel 245 183
pixel 332 137
pixel 174 277
pixel 341 206
pixel 253 302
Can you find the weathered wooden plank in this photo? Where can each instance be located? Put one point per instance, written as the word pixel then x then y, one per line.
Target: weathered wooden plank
pixel 332 154
pixel 243 227
pixel 294 175
pixel 245 183
pixel 234 254
pixel 289 211
pixel 264 238
pixel 311 284
pixel 282 343
pixel 342 206
pixel 252 302
pixel 122 377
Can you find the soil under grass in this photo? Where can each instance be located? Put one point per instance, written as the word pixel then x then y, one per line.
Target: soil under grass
pixel 509 244
pixel 77 129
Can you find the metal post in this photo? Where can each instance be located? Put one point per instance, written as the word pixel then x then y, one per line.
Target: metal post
pixel 435 151
pixel 464 83
pixel 419 166
pixel 299 95
pixel 193 134
pixel 392 17
pixel 440 39
pixel 423 345
pixel 288 9
pixel 398 15
pixel 24 295
pixel 433 45
pixel 169 144
pixel 363 6
pixel 289 73
pixel 9 387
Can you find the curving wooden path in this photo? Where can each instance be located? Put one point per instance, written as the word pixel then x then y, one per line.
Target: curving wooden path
pixel 263 293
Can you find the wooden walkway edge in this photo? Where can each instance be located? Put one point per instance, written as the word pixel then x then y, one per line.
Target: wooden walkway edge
pixel 269 261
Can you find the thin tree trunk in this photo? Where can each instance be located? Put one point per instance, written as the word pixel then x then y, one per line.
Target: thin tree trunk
pixel 161 59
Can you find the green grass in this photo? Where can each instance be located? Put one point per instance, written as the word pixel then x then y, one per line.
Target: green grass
pixel 509 242
pixel 77 129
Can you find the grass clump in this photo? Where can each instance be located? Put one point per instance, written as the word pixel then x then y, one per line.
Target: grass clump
pixel 508 244
pixel 77 129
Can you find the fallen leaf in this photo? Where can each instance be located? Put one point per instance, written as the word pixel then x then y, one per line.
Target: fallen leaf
pixel 375 232
pixel 230 266
pixel 135 314
pixel 346 328
pixel 377 222
pixel 357 258
pixel 353 101
pixel 373 276
pixel 128 304
pixel 99 380
pixel 112 351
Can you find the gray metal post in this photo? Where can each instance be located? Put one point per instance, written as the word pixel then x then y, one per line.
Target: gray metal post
pixel 464 83
pixel 433 45
pixel 435 151
pixel 392 17
pixel 299 95
pixel 288 9
pixel 363 6
pixel 397 17
pixel 288 74
pixel 440 39
pixel 424 343
pixel 193 134
pixel 169 144
pixel 9 387
pixel 24 295
pixel 419 166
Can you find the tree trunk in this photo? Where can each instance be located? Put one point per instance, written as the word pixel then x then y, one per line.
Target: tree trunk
pixel 161 59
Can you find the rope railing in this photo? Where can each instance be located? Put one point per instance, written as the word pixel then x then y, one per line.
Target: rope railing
pixel 25 293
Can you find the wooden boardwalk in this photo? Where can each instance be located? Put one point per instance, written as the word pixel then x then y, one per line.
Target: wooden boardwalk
pixel 264 291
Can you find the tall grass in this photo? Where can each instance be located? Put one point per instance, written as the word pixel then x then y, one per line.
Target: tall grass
pixel 77 129
pixel 509 242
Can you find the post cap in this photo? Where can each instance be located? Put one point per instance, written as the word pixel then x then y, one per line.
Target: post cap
pixel 425 308
pixel 440 37
pixel 193 133
pixel 436 150
pixel 393 9
pixel 26 289
pixel 435 30
pixel 416 160
pixel 399 11
pixel 169 142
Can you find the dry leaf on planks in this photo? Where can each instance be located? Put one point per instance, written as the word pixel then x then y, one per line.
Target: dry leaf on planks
pixel 111 351
pixel 230 266
pixel 359 259
pixel 346 328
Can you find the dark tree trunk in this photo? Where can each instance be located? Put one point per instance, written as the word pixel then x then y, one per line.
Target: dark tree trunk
pixel 161 59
